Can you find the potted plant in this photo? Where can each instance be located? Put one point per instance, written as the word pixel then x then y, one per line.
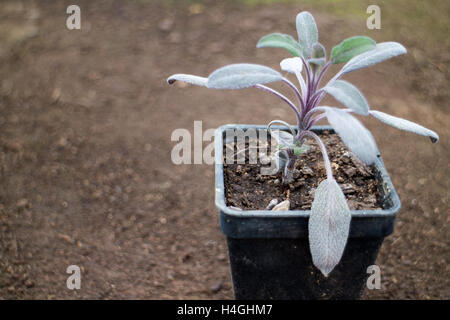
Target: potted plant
pixel 290 232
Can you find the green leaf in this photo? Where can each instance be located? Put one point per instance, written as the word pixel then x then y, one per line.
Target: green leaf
pixel 382 51
pixel 278 40
pixel 348 95
pixel 318 57
pixel 406 125
pixel 318 51
pixel 307 31
pixel 328 225
pixel 317 62
pixel 241 75
pixel 354 135
pixel 350 48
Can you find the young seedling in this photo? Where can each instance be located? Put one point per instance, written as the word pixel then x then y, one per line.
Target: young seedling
pixel 330 217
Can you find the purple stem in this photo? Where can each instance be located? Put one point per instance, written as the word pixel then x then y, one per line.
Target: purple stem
pixel 282 97
pixel 307 117
pixel 316 96
pixel 313 121
pixel 321 74
pixel 297 93
pixel 309 84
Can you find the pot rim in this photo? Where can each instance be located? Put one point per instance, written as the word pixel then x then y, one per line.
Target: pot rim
pixel 388 187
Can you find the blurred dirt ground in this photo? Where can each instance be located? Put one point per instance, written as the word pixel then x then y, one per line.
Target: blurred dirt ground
pixel 86 119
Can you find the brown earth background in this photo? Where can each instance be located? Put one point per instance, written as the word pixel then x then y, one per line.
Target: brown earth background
pixel 85 139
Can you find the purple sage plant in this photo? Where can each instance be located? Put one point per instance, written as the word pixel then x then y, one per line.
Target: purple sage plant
pixel 330 218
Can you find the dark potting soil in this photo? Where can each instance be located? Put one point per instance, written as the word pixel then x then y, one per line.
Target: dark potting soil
pixel 247 189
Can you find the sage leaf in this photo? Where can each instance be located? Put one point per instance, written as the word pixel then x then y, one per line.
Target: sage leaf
pixel 318 51
pixel 350 48
pixel 243 75
pixel 295 66
pixel 406 125
pixel 292 65
pixel 199 81
pixel 354 135
pixel 382 51
pixel 328 226
pixel 279 40
pixel 348 95
pixel 307 32
pixel 317 61
pixel 318 56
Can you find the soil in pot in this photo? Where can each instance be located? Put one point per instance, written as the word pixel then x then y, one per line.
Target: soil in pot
pixel 247 189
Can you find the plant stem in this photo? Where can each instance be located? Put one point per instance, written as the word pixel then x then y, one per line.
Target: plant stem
pixel 307 117
pixel 297 93
pixel 288 174
pixel 311 122
pixel 308 78
pixel 324 152
pixel 280 122
pixel 321 74
pixel 285 99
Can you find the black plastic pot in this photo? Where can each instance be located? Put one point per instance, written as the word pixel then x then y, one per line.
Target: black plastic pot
pixel 269 251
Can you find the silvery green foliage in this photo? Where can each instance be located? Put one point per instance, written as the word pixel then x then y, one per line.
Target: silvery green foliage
pixel 382 51
pixel 243 75
pixel 348 95
pixel 278 40
pixel 292 65
pixel 307 32
pixel 355 136
pixel 328 226
pixel 406 125
pixel 234 76
pixel 350 48
pixel 295 66
pixel 330 216
pixel 318 56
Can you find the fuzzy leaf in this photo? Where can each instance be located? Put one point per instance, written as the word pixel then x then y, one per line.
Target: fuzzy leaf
pixel 355 136
pixel 295 66
pixel 307 32
pixel 350 48
pixel 406 125
pixel 279 40
pixel 382 51
pixel 317 61
pixel 292 65
pixel 328 226
pixel 318 56
pixel 348 95
pixel 318 51
pixel 239 76
pixel 199 81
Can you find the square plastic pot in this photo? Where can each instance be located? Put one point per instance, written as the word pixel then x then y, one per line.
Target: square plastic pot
pixel 269 251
